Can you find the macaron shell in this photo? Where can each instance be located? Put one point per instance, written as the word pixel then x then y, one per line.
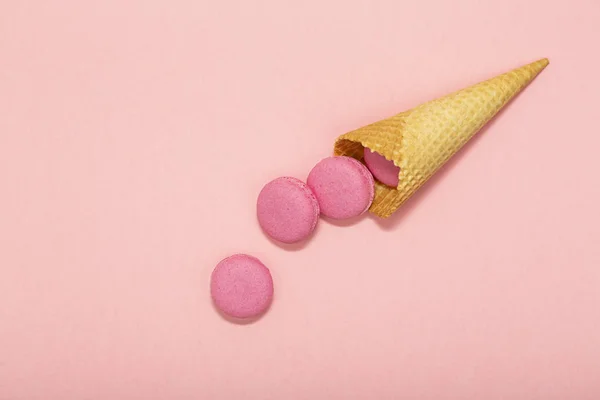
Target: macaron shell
pixel 241 286
pixel 343 186
pixel 385 171
pixel 287 210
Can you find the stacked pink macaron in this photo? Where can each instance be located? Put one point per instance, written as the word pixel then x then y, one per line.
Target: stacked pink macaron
pixel 337 187
pixel 384 170
pixel 288 211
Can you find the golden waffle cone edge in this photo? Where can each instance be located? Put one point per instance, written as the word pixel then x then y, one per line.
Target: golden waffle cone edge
pixel 422 139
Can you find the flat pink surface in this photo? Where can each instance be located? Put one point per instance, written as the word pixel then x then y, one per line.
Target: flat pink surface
pixel 130 135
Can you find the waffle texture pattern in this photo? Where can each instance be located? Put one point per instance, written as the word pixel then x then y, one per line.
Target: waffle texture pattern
pixel 420 141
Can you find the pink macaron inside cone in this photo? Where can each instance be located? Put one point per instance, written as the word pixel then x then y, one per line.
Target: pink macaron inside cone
pixel 385 171
pixel 287 210
pixel 241 287
pixel 343 186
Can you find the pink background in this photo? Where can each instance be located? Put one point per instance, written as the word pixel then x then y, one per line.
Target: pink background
pixel 134 139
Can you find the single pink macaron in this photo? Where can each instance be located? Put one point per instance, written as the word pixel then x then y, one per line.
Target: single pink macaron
pixel 241 286
pixel 287 210
pixel 385 171
pixel 343 186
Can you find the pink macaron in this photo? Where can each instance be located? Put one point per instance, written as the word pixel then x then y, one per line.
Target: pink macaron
pixel 241 286
pixel 287 210
pixel 343 186
pixel 385 171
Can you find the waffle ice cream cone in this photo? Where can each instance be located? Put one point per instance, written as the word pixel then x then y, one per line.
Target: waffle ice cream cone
pixel 421 140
